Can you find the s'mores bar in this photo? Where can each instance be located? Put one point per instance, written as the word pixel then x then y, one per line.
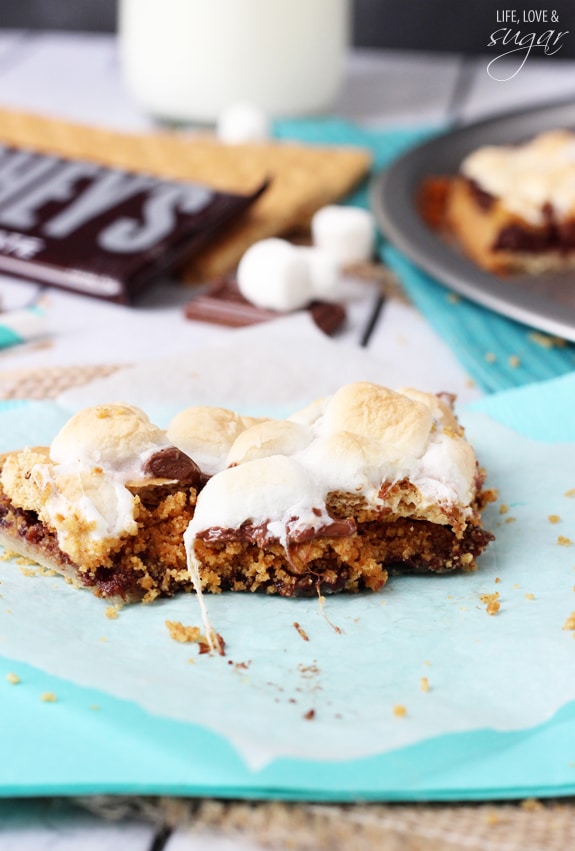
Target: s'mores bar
pixel 512 208
pixel 106 504
pixel 363 483
pixel 335 497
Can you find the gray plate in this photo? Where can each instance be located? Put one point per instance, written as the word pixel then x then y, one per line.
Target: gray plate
pixel 544 301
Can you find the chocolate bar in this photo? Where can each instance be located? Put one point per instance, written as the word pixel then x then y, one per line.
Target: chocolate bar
pixel 101 231
pixel 223 304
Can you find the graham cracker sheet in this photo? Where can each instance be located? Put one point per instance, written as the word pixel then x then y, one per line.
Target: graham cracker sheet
pixel 302 178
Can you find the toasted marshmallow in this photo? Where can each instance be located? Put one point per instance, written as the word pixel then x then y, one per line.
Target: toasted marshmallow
pixel 347 233
pixel 273 437
pixel 399 424
pixel 274 274
pixel 206 434
pixel 439 405
pixel 117 437
pixel 242 122
pixel 311 413
pixel 268 491
pixel 346 462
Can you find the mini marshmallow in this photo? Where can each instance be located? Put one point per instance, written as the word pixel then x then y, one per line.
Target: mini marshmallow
pixel 242 122
pixel 272 437
pixel 274 274
pixel 206 434
pixel 347 233
pixel 323 273
pixel 117 437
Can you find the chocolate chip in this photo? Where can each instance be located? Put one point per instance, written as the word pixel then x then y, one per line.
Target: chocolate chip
pixel 172 463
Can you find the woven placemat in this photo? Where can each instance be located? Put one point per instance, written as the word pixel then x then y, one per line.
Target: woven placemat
pixel 49 382
pixel 528 825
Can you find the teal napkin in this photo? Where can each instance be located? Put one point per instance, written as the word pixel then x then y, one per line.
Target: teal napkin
pixel 497 352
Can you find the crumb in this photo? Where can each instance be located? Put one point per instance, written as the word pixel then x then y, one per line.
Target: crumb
pixel 546 341
pixel 469 382
pixel 95 707
pixel 531 804
pixel 554 518
pixel 570 622
pixel 191 661
pixel 184 634
pixel 102 638
pixel 517 586
pixel 424 684
pixel 309 715
pixel 399 710
pixel 497 580
pixel 490 357
pixel 530 596
pixel 503 508
pixel 48 697
pixel 510 519
pixel 492 604
pixel 13 679
pixel 301 631
pixel 563 541
pixel 514 361
pixel 570 493
pixel 111 612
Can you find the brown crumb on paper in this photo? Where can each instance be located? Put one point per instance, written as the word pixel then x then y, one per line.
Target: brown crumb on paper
pixel 503 508
pixel 570 493
pixel 111 612
pixel 301 631
pixel 530 596
pixel 48 697
pixel 12 678
pixel 554 518
pixel 514 361
pixel 399 710
pixel 570 622
pixel 184 634
pixel 563 541
pixel 424 684
pixel 309 715
pixel 545 341
pixel 492 604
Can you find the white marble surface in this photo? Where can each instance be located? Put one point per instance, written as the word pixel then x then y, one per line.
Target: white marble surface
pixel 78 77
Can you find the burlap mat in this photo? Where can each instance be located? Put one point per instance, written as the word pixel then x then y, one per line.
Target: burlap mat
pixel 529 825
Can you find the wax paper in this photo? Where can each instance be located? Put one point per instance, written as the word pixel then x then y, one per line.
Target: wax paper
pixel 415 692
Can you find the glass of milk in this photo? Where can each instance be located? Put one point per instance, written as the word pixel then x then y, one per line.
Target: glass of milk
pixel 186 60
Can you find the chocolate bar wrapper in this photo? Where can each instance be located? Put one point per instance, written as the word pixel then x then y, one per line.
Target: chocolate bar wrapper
pixel 100 231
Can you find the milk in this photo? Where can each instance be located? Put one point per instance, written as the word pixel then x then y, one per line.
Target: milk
pixel 185 60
